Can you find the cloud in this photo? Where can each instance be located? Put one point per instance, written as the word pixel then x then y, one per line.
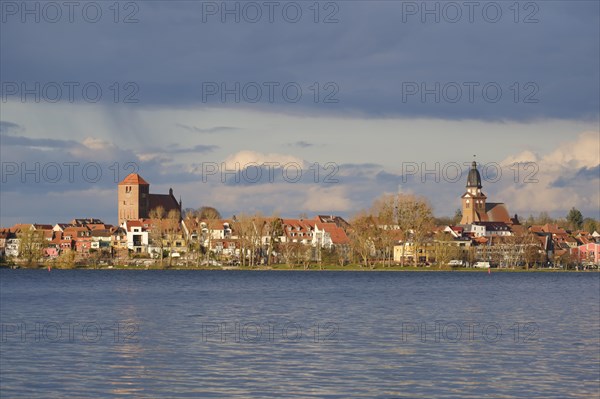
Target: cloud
pixel 583 175
pixel 364 61
pixel 200 148
pixel 328 199
pixel 567 176
pixel 248 157
pixel 209 130
pixel 9 140
pixel 582 152
pixel 7 127
pixel 301 144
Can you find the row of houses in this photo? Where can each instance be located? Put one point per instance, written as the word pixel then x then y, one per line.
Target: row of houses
pixel 506 244
pixel 153 236
pixel 232 238
pixel 80 235
pixel 229 236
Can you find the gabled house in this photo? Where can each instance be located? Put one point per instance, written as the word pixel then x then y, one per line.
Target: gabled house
pixel 118 238
pixel 329 235
pixel 81 238
pixel 101 239
pixel 587 253
pixel 298 230
pixel 137 236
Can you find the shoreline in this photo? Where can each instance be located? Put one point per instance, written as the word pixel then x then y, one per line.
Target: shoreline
pixel 313 269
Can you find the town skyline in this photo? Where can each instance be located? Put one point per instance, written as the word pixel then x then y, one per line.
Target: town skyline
pixel 417 89
pixel 450 174
pixel 395 226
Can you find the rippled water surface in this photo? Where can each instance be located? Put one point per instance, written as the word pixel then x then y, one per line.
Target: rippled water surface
pixel 175 334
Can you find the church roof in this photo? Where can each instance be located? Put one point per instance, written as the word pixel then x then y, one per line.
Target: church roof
pixel 133 179
pixel 474 178
pixel 166 201
pixel 497 212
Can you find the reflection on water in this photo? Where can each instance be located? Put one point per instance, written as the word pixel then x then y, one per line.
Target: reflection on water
pixel 166 334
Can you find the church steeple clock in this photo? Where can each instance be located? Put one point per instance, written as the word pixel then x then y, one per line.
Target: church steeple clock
pixel 473 200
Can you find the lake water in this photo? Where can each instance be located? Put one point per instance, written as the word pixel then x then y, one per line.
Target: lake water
pixel 235 334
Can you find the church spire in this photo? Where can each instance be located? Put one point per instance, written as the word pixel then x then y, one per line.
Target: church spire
pixel 474 178
pixel 473 200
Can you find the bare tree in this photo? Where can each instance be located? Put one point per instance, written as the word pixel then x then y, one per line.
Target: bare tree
pixel 208 212
pixel 31 245
pixel 444 250
pixel 384 208
pixel 66 259
pixel 275 232
pixel 258 231
pixel 288 251
pixel 244 228
pixel 363 236
pixel 415 219
pixel 173 218
pixel 532 249
pixel 157 233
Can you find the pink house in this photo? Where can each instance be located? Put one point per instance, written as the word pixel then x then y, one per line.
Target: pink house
pixel 589 252
pixel 51 252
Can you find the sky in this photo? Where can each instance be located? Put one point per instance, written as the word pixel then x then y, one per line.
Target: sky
pixel 298 107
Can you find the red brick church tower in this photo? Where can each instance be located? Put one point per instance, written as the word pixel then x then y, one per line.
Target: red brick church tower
pixel 135 201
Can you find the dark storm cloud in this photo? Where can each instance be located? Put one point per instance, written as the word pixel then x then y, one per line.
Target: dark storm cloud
pixel 578 177
pixel 369 61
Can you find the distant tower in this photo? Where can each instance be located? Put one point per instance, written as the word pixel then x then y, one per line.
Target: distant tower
pixel 133 196
pixel 473 200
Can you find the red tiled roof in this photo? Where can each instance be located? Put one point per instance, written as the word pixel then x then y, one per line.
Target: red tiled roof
pixel 217 223
pixel 166 224
pixel 96 226
pixel 497 212
pixel 133 223
pixel 134 178
pixel 42 226
pixel 299 226
pixel 480 240
pixel 76 228
pixel 17 228
pixel 101 233
pixel 337 234
pixel 63 226
pixel 553 228
pixel 338 220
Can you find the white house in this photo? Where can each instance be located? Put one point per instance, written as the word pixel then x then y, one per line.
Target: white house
pixel 137 237
pixel 12 247
pixel 476 229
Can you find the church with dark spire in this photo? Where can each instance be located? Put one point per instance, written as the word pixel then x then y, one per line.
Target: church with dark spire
pixel 476 209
